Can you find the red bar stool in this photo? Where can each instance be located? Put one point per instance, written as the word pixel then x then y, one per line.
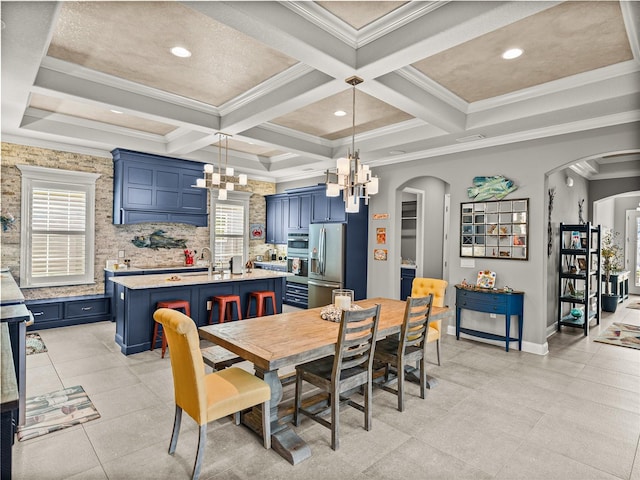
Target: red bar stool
pixel 225 305
pixel 261 298
pixel 175 305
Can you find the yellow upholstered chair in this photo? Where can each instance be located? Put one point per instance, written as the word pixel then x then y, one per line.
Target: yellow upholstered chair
pixel 421 287
pixel 207 397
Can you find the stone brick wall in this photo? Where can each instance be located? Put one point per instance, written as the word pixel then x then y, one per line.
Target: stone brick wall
pixel 110 238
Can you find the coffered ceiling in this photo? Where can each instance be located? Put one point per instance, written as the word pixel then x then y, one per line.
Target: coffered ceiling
pixel 93 76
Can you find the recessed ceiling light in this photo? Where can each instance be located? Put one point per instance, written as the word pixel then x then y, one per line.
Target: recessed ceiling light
pixel 181 52
pixel 339 113
pixel 115 111
pixel 512 53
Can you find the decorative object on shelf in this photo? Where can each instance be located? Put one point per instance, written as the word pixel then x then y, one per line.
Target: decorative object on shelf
pixel 380 254
pixel 486 279
pixel 486 187
pixel 158 240
pixel 580 207
pixel 576 243
pixel 576 312
pixel 552 194
pixel 495 229
pixel 7 221
pixel 256 231
pixel 611 254
pixel 249 266
pixel 218 178
pixel 351 176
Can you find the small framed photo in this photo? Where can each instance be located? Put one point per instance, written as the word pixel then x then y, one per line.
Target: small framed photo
pixel 582 264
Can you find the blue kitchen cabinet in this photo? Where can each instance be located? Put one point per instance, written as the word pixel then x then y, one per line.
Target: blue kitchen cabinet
pixel 277 216
pixel 406 281
pixel 326 209
pixel 299 214
pixel 152 188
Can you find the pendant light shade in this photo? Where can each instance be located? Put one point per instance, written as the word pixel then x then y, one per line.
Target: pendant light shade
pixel 350 176
pixel 218 177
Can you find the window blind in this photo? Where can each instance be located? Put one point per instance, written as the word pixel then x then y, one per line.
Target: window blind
pixel 58 232
pixel 229 232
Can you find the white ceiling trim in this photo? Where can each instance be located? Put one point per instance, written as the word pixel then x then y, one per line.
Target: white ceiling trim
pixel 62 85
pixel 419 79
pixel 555 86
pixel 78 71
pixel 276 82
pixel 631 17
pixel 55 145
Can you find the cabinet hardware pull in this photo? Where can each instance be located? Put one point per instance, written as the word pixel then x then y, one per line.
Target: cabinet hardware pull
pixel 85 309
pixel 37 314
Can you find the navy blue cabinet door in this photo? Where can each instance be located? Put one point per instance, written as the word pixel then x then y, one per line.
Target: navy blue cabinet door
pixel 299 214
pixel 151 188
pixel 327 209
pixel 277 214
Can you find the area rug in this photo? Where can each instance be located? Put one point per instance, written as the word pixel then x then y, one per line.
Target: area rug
pixel 622 334
pixel 55 411
pixel 35 344
pixel 635 305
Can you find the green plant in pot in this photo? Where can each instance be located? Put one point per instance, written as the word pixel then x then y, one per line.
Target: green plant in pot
pixel 611 255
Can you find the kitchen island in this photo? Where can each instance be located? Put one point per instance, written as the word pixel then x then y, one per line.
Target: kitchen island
pixel 137 296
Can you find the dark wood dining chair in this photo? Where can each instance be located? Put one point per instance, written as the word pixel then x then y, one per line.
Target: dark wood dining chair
pixel 344 373
pixel 408 349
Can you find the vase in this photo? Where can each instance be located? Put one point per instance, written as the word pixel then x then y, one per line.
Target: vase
pixel 609 302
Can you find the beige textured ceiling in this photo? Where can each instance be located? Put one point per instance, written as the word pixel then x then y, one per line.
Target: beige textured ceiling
pixel 132 40
pixel 360 14
pixel 104 115
pixel 318 118
pixel 557 43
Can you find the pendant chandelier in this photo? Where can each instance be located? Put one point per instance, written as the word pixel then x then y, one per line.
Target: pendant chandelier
pixel 218 178
pixel 350 176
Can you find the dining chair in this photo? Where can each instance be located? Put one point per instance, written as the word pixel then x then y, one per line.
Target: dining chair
pixel 397 352
pixel 421 287
pixel 207 397
pixel 342 374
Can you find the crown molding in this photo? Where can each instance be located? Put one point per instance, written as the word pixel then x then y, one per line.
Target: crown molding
pixel 88 74
pixel 555 86
pixel 54 145
pixel 420 80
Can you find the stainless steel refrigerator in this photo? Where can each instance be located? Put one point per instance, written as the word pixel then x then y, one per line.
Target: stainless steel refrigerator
pixel 326 261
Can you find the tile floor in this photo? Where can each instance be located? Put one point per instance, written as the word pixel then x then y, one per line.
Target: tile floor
pixel 573 414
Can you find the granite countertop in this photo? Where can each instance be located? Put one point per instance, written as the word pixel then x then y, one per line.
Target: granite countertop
pixel 408 265
pixel 9 291
pixel 148 268
pixel 140 282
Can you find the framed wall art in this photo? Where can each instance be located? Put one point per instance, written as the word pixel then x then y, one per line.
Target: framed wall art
pixel 495 229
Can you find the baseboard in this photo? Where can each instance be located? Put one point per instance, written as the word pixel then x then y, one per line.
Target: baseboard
pixel 529 347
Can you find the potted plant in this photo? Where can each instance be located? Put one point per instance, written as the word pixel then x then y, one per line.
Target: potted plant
pixel 611 254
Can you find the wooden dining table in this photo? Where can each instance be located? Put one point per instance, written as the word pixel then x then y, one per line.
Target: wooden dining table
pixel 288 339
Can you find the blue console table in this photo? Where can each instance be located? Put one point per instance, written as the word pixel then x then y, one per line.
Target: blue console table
pixel 491 301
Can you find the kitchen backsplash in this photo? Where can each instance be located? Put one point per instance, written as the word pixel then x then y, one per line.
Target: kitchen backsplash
pixel 109 238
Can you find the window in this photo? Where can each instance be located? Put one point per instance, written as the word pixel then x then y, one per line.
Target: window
pixel 231 227
pixel 57 245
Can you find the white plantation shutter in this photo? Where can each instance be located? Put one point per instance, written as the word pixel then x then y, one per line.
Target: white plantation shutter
pixel 57 227
pixel 58 233
pixel 229 225
pixel 230 232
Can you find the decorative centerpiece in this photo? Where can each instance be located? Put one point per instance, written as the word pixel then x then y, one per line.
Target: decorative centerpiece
pixel 342 299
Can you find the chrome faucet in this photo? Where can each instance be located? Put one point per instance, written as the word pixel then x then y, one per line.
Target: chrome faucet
pixel 210 264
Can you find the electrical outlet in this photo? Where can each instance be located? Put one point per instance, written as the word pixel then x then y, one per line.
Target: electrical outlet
pixel 209 306
pixel 120 253
pixel 492 315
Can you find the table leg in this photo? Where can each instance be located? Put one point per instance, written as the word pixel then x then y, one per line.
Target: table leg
pixel 507 327
pixel 410 375
pixel 284 439
pixel 520 324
